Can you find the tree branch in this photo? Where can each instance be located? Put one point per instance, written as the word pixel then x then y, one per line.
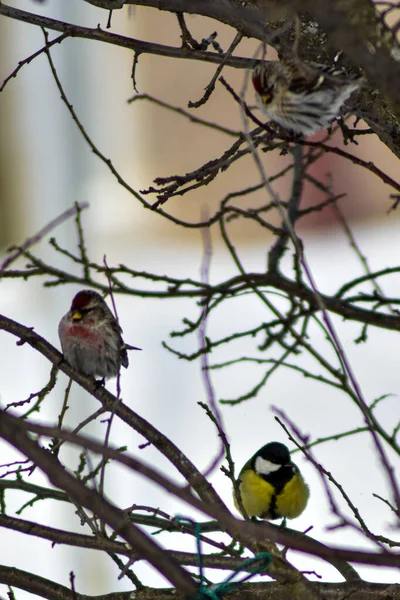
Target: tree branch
pixel 14 432
pixel 50 590
pixel 161 442
pixel 138 46
pixel 250 21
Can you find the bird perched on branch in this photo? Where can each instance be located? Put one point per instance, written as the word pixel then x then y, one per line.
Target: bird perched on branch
pixel 299 97
pixel 271 486
pixel 91 338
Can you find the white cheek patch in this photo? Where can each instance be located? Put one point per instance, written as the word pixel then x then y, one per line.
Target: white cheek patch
pixel 265 467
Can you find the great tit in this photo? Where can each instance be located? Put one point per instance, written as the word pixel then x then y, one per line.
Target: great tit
pixel 271 486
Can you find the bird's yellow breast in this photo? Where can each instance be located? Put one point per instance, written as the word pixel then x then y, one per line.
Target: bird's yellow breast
pixel 293 499
pixel 255 492
pixel 260 500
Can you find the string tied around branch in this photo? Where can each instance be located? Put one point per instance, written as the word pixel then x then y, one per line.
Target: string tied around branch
pixel 259 562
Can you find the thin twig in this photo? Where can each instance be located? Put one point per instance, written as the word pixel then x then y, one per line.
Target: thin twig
pixel 118 398
pixel 327 475
pixel 205 278
pixel 210 87
pixel 27 60
pixel 42 233
pixel 184 113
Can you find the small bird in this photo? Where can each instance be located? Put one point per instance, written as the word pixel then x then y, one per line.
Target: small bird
pixel 299 97
pixel 271 486
pixel 91 338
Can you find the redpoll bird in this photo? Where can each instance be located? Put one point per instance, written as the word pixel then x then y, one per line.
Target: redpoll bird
pixel 91 337
pixel 301 97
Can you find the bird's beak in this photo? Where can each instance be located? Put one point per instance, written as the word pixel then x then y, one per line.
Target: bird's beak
pixel 77 315
pixel 267 96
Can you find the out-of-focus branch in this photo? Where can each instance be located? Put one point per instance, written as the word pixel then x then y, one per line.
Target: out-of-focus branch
pixel 90 542
pixel 58 536
pixel 15 433
pixel 38 490
pixel 250 21
pixel 50 590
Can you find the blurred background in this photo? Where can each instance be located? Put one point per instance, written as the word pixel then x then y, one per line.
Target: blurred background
pixel 46 166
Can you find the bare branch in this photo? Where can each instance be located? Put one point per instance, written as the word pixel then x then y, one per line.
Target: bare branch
pixel 42 233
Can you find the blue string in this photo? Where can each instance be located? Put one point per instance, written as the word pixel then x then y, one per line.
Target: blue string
pixel 217 590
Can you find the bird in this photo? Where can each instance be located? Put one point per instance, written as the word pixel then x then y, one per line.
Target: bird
pixel 271 485
pixel 91 337
pixel 302 98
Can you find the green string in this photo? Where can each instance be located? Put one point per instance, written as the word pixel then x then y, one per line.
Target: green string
pixel 217 590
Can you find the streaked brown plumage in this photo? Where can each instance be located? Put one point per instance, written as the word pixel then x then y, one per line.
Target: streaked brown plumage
pixel 299 97
pixel 91 337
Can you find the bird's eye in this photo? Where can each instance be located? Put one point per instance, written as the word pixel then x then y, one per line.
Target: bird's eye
pixel 83 311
